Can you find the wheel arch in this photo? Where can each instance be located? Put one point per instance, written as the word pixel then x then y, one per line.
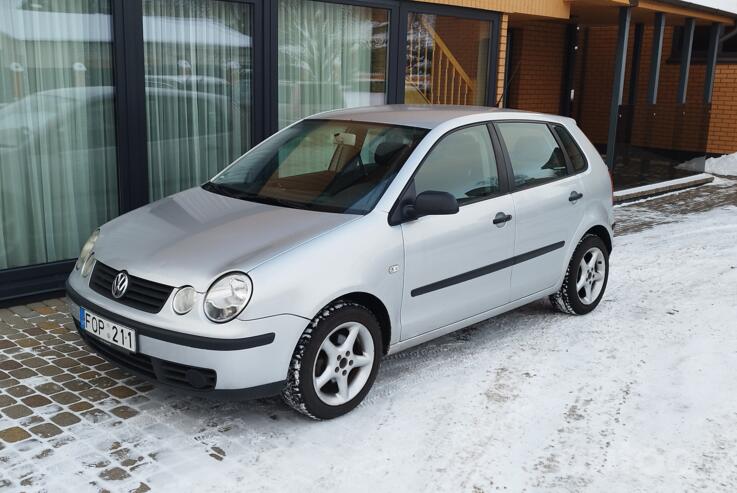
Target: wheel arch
pixel 602 233
pixel 377 307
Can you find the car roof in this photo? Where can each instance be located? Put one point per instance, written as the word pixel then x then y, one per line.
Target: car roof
pixel 422 116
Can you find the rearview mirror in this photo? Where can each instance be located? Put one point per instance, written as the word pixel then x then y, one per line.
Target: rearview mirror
pixel 431 203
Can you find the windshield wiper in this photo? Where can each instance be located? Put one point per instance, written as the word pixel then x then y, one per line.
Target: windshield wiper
pixel 239 194
pixel 221 189
pixel 293 204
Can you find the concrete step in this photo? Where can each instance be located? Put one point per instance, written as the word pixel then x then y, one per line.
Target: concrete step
pixel 637 193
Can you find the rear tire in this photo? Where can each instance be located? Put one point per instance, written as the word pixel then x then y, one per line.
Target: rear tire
pixel 586 278
pixel 335 362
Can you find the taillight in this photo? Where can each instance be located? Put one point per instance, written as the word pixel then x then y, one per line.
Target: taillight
pixel 611 179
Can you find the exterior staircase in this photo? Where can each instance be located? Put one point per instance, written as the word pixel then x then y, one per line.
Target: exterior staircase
pixel 434 75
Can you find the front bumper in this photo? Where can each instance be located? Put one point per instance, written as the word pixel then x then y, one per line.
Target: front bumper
pixel 250 367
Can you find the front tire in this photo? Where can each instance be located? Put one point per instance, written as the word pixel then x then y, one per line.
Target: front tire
pixel 335 362
pixel 586 278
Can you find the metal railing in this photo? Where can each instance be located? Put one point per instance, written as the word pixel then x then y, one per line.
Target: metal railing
pixel 433 70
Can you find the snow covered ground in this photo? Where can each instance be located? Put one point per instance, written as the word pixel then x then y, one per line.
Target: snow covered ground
pixel 725 165
pixel 640 395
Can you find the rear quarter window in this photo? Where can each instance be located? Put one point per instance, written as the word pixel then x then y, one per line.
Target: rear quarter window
pixel 578 160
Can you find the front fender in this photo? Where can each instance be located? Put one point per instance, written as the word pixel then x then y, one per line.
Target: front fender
pixel 353 258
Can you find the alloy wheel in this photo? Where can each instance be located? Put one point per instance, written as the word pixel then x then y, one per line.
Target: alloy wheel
pixel 343 364
pixel 591 276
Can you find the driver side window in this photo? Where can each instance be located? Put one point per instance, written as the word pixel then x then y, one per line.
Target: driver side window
pixel 463 164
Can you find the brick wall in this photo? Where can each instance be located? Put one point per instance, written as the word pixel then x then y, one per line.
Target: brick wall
pixel 502 58
pixel 538 51
pixel 667 124
pixel 593 81
pixel 694 126
pixel 537 60
pixel 723 129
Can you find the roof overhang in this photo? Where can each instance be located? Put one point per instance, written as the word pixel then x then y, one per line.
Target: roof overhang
pixel 604 12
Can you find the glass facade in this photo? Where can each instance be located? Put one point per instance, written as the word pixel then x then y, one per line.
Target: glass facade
pixel 198 64
pixel 106 105
pixel 331 56
pixel 58 170
pixel 447 60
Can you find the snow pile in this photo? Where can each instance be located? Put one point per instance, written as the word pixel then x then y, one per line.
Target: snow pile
pixel 725 165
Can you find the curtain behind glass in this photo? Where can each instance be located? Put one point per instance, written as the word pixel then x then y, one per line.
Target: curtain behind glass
pixel 325 57
pixel 198 62
pixel 58 177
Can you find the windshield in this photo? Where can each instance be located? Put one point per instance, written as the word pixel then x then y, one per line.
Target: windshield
pixel 324 165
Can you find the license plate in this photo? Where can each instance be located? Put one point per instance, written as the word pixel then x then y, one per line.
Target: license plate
pixel 108 331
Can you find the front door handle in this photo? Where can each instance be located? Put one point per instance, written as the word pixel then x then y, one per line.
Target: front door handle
pixel 502 218
pixel 575 196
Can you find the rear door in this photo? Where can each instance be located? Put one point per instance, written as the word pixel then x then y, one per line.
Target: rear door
pixel 456 265
pixel 548 199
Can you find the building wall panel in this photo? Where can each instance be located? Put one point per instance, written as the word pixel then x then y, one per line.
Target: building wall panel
pixel 723 128
pixel 536 71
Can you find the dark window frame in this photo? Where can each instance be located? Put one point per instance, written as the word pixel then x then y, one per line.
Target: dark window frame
pixel 127 50
pixel 130 104
pixel 492 17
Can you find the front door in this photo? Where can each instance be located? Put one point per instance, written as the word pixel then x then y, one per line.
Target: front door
pixel 456 266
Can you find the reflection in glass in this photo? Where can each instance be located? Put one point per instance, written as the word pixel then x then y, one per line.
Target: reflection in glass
pixel 533 153
pixel 58 176
pixel 325 165
pixel 198 59
pixel 447 60
pixel 471 178
pixel 330 56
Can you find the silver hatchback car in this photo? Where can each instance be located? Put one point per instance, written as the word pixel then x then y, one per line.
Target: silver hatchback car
pixel 344 237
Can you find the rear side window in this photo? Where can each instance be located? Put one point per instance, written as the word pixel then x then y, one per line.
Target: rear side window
pixel 463 164
pixel 571 147
pixel 534 153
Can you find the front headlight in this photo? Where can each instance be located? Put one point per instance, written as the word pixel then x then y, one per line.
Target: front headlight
pixel 228 296
pixel 87 266
pixel 87 249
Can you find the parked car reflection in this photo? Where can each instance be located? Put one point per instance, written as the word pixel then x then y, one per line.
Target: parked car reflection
pixel 58 150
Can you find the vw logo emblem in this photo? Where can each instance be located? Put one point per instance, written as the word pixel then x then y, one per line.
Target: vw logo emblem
pixel 120 285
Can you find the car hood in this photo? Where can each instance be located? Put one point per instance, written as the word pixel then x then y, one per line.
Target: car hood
pixel 194 236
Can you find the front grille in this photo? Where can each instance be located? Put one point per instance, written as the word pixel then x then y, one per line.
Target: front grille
pixel 176 374
pixel 143 295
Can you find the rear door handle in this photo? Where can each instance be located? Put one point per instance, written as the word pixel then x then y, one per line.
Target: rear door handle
pixel 502 218
pixel 575 196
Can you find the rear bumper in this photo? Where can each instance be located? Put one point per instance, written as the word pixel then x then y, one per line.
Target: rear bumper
pixel 249 367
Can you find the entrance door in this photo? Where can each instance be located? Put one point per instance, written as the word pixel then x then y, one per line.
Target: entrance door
pixel 448 54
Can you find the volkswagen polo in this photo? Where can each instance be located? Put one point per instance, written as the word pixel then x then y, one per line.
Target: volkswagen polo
pixel 344 237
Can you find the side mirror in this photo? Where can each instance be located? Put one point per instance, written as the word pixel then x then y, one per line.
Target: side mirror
pixel 431 203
